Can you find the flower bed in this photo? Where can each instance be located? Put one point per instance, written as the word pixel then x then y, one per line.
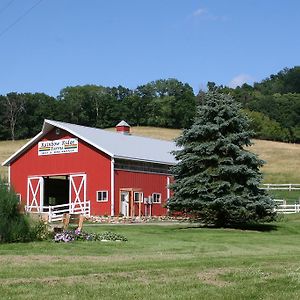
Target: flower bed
pixel 77 235
pixel 131 220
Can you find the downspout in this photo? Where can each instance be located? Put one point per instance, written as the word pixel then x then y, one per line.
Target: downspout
pixel 112 187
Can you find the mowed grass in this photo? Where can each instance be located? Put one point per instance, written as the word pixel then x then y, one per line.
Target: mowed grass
pixel 180 261
pixel 282 159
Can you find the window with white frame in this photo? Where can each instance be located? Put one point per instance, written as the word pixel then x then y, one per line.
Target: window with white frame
pixel 138 196
pixel 19 197
pixel 102 196
pixel 156 198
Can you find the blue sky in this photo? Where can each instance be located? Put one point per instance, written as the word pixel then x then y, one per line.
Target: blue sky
pixel 61 43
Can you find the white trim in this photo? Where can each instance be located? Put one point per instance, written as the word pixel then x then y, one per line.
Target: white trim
pixel 153 198
pixel 8 176
pixel 168 189
pixel 101 191
pixel 112 187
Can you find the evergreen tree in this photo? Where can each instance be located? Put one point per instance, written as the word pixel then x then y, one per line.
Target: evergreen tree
pixel 216 179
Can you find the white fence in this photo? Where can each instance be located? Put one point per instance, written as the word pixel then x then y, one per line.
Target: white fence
pixel 282 187
pixel 288 209
pixel 282 207
pixel 55 213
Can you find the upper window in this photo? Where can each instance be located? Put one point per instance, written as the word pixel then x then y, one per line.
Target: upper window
pixel 156 197
pixel 102 196
pixel 138 196
pixel 139 166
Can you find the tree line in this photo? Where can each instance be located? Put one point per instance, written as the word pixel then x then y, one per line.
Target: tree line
pixel 273 105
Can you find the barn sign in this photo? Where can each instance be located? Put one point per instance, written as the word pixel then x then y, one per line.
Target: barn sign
pixel 57 147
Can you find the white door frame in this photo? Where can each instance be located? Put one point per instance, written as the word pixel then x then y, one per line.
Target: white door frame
pixel 77 190
pixel 37 191
pixel 126 213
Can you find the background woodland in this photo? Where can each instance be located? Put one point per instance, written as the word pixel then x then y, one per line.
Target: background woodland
pixel 273 106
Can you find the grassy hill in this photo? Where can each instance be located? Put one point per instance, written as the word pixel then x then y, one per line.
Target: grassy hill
pixel 282 159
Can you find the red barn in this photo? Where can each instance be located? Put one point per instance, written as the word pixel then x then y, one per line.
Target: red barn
pixel 72 168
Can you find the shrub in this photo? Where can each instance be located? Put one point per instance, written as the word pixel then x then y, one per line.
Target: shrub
pixel 14 225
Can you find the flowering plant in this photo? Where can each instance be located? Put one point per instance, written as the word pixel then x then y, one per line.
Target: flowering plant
pixel 77 235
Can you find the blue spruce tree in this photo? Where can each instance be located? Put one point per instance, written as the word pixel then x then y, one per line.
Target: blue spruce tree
pixel 216 178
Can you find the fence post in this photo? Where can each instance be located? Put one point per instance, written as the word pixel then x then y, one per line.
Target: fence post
pixel 50 214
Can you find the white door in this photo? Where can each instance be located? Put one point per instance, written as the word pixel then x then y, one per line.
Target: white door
pixel 77 193
pixel 35 194
pixel 125 204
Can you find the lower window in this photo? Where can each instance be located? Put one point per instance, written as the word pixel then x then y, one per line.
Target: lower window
pixel 156 198
pixel 102 196
pixel 138 196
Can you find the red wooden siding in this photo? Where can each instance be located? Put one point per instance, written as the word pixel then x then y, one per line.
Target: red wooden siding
pixel 123 129
pixel 90 161
pixel 148 183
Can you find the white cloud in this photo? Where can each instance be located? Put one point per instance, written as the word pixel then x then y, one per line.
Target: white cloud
pixel 240 79
pixel 199 12
pixel 204 14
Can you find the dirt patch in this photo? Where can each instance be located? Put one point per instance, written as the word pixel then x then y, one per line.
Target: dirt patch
pixel 212 277
pixel 140 277
pixel 20 260
pixel 52 280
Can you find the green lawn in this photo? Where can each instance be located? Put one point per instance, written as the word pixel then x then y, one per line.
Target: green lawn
pixel 158 262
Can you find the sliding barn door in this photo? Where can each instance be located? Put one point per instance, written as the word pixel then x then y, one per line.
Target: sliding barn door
pixel 35 194
pixel 77 197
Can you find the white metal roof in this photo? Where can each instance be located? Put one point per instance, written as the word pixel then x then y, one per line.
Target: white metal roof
pixel 114 144
pixel 123 123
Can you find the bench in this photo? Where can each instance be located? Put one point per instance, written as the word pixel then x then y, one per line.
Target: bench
pixel 72 219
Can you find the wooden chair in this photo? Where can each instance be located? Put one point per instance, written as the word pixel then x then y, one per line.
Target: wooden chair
pixel 73 219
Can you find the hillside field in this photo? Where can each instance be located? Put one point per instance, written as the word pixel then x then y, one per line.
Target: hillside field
pixel 282 159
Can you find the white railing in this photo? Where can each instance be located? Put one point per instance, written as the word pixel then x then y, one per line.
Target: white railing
pixel 55 212
pixel 288 209
pixel 280 201
pixel 283 186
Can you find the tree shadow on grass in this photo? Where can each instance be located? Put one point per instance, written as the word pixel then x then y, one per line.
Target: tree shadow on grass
pixel 246 227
